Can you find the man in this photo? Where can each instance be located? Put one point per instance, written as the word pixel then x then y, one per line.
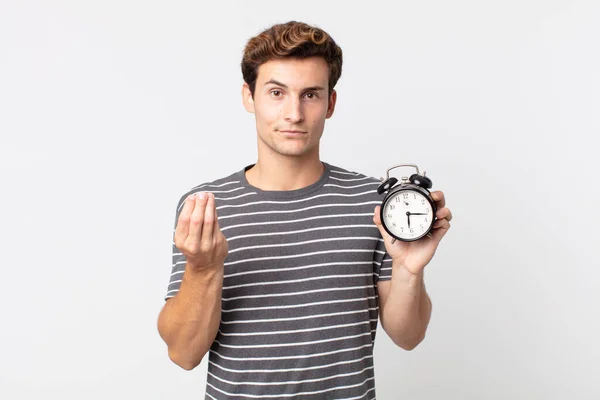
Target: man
pixel 282 269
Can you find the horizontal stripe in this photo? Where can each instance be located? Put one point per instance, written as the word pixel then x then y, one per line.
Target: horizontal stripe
pixel 289 344
pixel 287 269
pixel 290 382
pixel 213 185
pixel 218 191
pixel 236 197
pixel 287 202
pixel 294 280
pixel 269 371
pixel 320 228
pixel 350 180
pixel 254 321
pixel 297 210
pixel 337 171
pixel 294 220
pixel 298 305
pixel 266 246
pixel 323 328
pixel 289 395
pixel 352 187
pixel 301 356
pixel 292 293
pixel 314 253
pixel 362 396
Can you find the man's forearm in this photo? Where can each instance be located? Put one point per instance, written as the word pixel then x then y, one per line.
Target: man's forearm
pixel 190 321
pixel 407 310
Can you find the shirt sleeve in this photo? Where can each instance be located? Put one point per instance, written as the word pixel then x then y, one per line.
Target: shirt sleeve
pixel 178 259
pixel 382 263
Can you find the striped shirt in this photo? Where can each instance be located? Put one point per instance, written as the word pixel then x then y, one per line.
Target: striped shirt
pixel 299 301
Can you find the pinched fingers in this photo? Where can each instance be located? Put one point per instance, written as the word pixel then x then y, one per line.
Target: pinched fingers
pixel 183 222
pixel 444 213
pixel 206 243
pixel 196 223
pixel 441 227
pixel 439 198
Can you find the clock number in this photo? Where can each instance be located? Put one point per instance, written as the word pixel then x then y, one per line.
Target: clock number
pixel 389 215
pixel 412 230
pixel 405 195
pixel 392 207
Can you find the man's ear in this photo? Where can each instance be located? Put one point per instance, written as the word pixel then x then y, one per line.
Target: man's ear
pixel 247 98
pixel 331 104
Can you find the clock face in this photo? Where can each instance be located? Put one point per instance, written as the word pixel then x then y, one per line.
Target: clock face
pixel 408 214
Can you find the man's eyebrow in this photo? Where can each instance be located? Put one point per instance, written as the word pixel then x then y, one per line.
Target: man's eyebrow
pixel 277 83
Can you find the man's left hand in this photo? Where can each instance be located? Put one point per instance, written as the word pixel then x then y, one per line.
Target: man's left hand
pixel 414 256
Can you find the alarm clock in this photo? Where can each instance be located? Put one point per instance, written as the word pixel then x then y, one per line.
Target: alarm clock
pixel 407 210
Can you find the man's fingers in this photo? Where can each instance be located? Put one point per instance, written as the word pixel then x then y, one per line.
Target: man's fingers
pixel 216 227
pixel 377 220
pixel 197 219
pixel 439 198
pixel 183 222
pixel 439 232
pixel 376 216
pixel 440 222
pixel 209 221
pixel 444 213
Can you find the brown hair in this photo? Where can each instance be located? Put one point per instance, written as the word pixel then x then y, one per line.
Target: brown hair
pixel 291 39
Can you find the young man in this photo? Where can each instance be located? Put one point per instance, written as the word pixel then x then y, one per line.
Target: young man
pixel 282 269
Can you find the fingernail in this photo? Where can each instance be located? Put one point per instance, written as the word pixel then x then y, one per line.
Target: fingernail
pixel 202 195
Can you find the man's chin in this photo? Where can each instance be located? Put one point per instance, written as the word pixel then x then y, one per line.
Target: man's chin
pixel 293 152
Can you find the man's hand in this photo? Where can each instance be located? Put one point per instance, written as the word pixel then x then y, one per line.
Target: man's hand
pixel 198 234
pixel 414 256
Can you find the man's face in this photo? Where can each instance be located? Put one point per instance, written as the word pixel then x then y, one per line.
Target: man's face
pixel 291 105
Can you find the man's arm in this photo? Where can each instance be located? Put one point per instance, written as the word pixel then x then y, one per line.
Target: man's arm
pixel 189 321
pixel 404 307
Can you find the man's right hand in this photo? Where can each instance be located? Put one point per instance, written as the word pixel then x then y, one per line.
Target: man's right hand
pixel 198 234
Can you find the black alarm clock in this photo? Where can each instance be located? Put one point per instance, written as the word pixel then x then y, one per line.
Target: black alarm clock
pixel 407 210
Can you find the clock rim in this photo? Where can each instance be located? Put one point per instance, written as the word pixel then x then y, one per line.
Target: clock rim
pixel 408 187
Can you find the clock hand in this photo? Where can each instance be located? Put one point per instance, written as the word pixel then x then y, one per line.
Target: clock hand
pixel 408 218
pixel 418 213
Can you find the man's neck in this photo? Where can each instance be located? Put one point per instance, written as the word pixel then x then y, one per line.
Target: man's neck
pixel 285 173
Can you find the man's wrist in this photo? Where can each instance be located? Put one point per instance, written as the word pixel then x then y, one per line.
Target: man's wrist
pixel 407 274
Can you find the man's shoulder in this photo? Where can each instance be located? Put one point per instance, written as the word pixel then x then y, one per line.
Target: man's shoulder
pixel 218 184
pixel 341 172
pixel 223 181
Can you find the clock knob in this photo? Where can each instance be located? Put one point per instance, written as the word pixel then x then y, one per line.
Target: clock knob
pixel 421 180
pixel 386 185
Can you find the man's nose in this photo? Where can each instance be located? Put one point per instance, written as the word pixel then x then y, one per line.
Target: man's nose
pixel 293 111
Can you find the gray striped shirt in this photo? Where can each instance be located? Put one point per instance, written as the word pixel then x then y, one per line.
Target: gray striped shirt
pixel 299 304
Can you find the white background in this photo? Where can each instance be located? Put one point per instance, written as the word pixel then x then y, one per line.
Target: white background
pixel 111 110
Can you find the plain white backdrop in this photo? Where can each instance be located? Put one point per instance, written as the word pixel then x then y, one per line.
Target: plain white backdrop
pixel 110 111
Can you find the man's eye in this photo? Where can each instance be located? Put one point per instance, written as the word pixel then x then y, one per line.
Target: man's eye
pixel 276 93
pixel 311 95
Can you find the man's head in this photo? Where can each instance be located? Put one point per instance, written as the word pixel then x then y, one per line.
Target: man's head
pixel 290 71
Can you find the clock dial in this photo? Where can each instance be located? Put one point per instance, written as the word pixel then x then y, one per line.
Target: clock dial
pixel 408 214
